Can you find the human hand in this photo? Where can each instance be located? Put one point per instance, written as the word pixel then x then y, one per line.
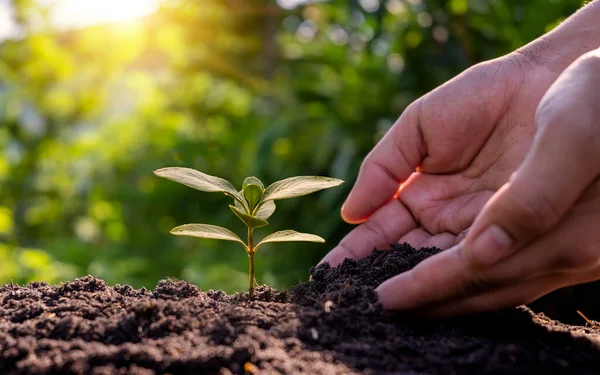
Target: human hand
pixel 465 137
pixel 540 231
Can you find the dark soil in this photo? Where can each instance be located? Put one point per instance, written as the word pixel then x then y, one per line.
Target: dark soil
pixel 330 325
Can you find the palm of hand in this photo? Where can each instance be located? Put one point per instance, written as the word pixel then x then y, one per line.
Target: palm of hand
pixel 476 131
pixel 453 149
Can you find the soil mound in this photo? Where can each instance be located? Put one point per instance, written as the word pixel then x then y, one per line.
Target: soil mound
pixel 332 324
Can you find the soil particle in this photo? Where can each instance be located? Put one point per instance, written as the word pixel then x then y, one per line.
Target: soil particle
pixel 332 324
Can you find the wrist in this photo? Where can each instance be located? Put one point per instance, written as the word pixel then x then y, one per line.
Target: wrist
pixel 556 50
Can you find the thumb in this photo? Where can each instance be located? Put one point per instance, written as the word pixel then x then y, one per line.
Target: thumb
pixel 563 161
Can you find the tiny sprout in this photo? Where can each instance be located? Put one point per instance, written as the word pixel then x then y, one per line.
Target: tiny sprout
pixel 253 205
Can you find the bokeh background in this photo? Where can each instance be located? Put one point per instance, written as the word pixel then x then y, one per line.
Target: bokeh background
pixel 96 94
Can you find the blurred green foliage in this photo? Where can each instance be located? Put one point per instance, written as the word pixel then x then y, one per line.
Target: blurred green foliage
pixel 232 88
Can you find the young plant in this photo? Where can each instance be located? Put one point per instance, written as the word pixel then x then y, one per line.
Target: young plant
pixel 253 205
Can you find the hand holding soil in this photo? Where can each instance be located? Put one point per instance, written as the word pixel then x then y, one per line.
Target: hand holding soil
pixel 539 232
pixel 444 167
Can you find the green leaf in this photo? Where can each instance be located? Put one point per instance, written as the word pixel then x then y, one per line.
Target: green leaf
pixel 250 221
pixel 242 207
pixel 206 231
pixel 298 186
pixel 265 210
pixel 290 236
pixel 199 181
pixel 253 194
pixel 253 181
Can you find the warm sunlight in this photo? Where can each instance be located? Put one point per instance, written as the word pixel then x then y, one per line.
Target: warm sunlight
pixel 74 13
pixel 67 14
pixel 7 25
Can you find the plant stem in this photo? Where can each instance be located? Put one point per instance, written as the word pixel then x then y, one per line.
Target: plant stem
pixel 251 256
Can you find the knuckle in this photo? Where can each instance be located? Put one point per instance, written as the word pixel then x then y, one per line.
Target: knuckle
pixel 367 162
pixel 471 284
pixel 475 280
pixel 414 108
pixel 347 250
pixel 474 283
pixel 372 162
pixel 376 230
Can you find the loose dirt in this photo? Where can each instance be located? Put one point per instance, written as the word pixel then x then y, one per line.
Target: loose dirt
pixel 330 325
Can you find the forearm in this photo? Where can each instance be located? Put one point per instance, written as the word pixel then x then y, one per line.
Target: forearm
pixel 559 48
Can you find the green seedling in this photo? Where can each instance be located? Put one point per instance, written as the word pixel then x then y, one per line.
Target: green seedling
pixel 253 205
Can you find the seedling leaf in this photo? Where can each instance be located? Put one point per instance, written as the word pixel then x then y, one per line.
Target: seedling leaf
pixel 242 207
pixel 206 231
pixel 250 221
pixel 297 186
pixel 265 210
pixel 290 236
pixel 253 193
pixel 253 181
pixel 199 181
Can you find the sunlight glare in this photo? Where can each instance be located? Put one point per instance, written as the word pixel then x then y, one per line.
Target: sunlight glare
pixel 77 13
pixel 8 28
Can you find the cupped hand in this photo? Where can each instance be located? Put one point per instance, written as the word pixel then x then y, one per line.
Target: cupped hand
pixel 540 232
pixel 450 151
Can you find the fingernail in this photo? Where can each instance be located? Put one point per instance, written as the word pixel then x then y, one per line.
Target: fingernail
pixel 491 246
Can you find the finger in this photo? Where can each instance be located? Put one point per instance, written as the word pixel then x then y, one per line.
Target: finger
pixel 415 238
pixel 450 275
pixel 508 296
pixel 442 241
pixel 552 177
pixel 498 299
pixel 443 276
pixel 383 228
pixel 389 164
